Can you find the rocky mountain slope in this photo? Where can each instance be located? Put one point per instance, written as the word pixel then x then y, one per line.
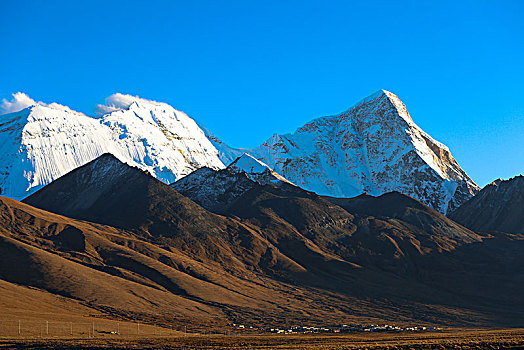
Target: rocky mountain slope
pixel 393 226
pixel 41 143
pixel 256 170
pixel 276 253
pixel 217 190
pixel 374 147
pixel 497 207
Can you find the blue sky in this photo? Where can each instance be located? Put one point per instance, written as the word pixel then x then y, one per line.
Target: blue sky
pixel 247 69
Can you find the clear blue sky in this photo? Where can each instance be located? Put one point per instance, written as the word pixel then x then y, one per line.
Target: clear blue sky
pixel 247 69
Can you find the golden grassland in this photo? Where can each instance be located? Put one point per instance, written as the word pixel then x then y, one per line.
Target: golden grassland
pixel 447 339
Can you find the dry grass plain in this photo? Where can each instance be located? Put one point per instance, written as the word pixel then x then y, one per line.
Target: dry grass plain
pixel 448 339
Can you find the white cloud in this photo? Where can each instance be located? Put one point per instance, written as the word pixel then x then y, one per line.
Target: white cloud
pixel 112 103
pixel 17 103
pixel 21 101
pixel 119 101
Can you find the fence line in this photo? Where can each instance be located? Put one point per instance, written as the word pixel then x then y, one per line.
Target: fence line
pixel 46 328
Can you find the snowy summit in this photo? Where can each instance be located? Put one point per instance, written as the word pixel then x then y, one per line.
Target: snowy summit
pixel 374 147
pixel 41 142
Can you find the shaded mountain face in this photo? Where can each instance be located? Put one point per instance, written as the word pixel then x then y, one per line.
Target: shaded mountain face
pixel 203 281
pixel 277 253
pixel 374 147
pixel 110 192
pixel 85 262
pixel 371 236
pixel 397 206
pixel 498 207
pixel 297 223
pixel 393 228
pixel 39 144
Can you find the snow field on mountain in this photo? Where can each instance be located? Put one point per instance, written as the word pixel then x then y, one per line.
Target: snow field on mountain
pixel 40 143
pixel 373 147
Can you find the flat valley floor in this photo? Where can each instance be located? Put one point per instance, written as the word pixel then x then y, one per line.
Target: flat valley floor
pixel 448 339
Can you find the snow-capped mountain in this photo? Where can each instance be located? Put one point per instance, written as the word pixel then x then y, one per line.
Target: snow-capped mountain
pixel 217 189
pixel 41 143
pixel 160 139
pixel 374 147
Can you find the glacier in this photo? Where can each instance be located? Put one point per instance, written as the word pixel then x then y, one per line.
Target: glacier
pixel 42 142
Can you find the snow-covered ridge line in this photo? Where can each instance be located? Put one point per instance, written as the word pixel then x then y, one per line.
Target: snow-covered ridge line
pixel 41 143
pixel 256 170
pixel 120 101
pixel 216 190
pixel 403 112
pixel 373 147
pixel 21 101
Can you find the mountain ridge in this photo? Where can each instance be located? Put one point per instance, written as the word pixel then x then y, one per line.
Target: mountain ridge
pixel 41 143
pixel 373 147
pixel 498 207
pixel 274 253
